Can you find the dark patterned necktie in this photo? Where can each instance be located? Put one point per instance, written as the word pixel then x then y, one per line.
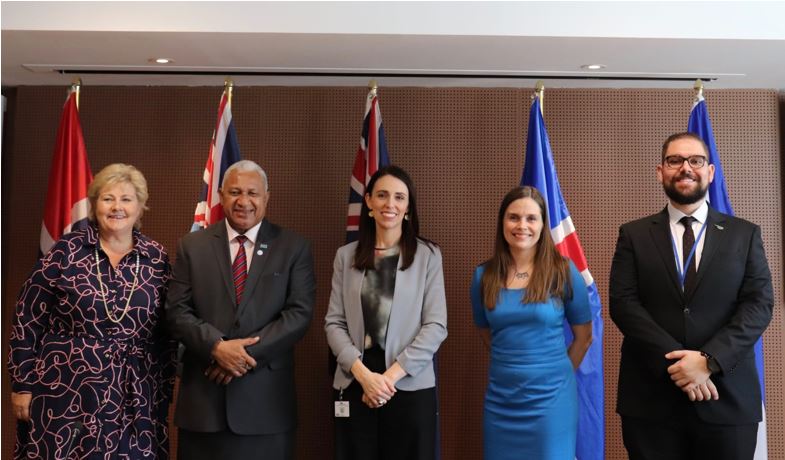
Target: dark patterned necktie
pixel 240 269
pixel 687 242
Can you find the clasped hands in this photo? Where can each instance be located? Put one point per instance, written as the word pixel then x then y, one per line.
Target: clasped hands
pixel 230 360
pixel 378 389
pixel 691 373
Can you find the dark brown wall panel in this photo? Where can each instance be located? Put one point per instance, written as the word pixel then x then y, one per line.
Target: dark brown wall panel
pixel 464 148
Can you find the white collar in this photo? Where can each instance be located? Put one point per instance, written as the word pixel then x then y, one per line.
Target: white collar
pixel 700 214
pixel 251 233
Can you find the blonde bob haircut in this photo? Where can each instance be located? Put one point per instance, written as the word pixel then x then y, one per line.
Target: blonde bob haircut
pixel 118 173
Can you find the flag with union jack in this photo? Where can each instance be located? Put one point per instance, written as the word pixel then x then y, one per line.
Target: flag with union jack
pixel 700 124
pixel 371 155
pixel 539 171
pixel 67 206
pixel 224 151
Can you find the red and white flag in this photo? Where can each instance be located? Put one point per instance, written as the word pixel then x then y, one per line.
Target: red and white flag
pixel 66 208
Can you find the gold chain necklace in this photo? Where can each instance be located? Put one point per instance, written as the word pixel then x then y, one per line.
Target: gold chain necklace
pixel 103 295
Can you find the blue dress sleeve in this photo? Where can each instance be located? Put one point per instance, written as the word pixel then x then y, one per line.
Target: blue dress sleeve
pixel 577 309
pixel 478 308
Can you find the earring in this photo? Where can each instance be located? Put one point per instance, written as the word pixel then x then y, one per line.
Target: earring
pixel 370 214
pixel 406 216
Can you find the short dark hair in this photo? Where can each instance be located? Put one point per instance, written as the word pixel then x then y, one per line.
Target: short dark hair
pixel 684 135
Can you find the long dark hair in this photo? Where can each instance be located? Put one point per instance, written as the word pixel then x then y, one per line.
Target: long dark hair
pixel 551 275
pixel 363 255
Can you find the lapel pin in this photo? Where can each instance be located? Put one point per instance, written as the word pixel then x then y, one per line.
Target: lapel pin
pixel 263 246
pixel 259 252
pixel 719 227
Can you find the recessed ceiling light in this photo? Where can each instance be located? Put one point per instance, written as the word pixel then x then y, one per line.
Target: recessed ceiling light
pixel 593 66
pixel 161 60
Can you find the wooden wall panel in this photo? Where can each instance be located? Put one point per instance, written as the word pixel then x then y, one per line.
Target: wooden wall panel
pixel 463 147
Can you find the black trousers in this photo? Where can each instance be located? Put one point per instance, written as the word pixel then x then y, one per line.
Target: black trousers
pixel 687 437
pixel 404 428
pixel 225 445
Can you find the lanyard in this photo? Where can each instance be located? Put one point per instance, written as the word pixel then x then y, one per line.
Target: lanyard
pixel 682 270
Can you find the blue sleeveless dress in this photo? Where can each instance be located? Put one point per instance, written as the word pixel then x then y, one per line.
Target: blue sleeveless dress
pixel 531 402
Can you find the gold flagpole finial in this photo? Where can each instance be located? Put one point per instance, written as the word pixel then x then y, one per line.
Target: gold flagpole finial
pixel 373 86
pixel 539 89
pixel 698 87
pixel 76 85
pixel 228 86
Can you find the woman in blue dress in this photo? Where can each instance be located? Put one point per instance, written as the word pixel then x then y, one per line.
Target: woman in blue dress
pixel 520 298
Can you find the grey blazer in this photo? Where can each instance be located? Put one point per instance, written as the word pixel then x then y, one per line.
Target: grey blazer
pixel 418 318
pixel 277 307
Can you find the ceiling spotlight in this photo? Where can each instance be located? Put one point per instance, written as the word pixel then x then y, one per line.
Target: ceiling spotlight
pixel 161 60
pixel 593 66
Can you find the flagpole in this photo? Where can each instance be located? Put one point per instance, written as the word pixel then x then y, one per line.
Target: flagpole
pixel 539 90
pixel 76 85
pixel 699 88
pixel 373 86
pixel 228 85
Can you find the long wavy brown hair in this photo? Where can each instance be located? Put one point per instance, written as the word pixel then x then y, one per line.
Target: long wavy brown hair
pixel 551 271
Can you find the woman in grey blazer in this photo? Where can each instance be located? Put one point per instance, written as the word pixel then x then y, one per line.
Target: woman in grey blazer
pixel 386 319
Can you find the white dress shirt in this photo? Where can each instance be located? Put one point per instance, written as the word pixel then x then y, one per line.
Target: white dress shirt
pixel 677 231
pixel 250 245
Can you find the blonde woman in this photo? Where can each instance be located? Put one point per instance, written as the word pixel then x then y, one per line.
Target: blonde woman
pixel 91 366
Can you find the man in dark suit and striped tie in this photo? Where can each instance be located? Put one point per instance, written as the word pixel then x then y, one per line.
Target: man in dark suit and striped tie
pixel 241 296
pixel 690 289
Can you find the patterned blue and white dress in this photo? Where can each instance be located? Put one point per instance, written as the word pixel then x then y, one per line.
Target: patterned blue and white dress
pixel 111 380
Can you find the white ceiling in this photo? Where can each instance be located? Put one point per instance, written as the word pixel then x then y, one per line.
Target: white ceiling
pixel 642 44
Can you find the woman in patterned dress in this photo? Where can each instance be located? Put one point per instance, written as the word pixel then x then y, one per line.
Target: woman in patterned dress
pixel 91 366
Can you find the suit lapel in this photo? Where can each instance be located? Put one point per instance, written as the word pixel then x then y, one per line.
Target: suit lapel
pixel 354 315
pixel 220 245
pixel 264 243
pixel 661 236
pixel 714 236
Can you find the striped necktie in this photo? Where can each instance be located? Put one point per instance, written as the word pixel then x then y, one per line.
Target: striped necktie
pixel 240 269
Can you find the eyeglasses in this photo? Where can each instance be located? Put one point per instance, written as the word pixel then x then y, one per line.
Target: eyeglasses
pixel 675 161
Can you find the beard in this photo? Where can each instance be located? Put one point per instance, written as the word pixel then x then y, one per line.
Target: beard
pixel 689 197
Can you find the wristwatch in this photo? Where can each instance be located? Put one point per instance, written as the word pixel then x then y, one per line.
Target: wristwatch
pixel 711 363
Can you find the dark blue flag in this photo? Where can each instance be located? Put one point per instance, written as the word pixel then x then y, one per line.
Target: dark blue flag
pixel 700 124
pixel 539 171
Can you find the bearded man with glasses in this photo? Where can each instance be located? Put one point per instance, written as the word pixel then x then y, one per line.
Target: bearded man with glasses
pixel 690 290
